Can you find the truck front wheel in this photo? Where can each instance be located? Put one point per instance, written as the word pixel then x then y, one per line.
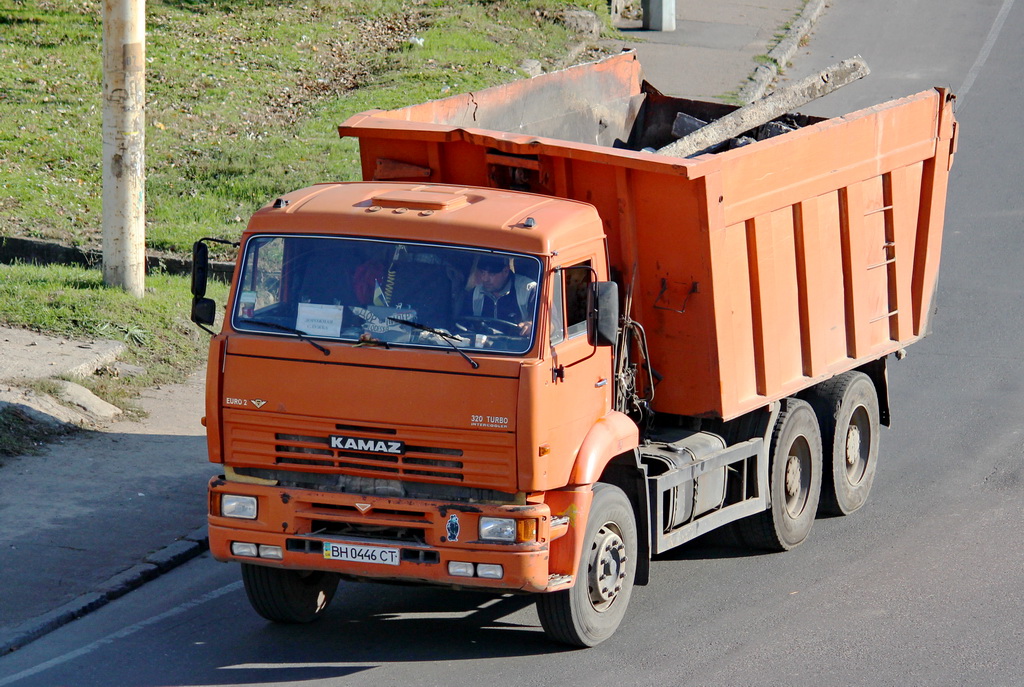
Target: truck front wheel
pixel 847 408
pixel 590 611
pixel 794 481
pixel 288 596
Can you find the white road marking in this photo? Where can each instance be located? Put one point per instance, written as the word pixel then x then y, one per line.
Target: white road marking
pixel 986 49
pixel 121 634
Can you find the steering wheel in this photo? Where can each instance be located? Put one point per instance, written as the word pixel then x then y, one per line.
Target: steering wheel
pixel 490 326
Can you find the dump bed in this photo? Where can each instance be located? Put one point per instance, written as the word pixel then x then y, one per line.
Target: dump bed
pixel 756 271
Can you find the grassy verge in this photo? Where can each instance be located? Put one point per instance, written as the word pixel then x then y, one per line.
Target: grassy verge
pixel 244 97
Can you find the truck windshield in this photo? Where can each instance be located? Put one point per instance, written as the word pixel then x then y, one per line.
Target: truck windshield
pixel 365 290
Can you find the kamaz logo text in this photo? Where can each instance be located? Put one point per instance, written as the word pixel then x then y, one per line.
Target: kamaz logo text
pixel 369 445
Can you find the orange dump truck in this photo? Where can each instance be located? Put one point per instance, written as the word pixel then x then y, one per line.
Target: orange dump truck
pixel 527 352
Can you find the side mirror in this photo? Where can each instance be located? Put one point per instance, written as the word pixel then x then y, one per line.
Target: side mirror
pixel 602 313
pixel 204 310
pixel 200 271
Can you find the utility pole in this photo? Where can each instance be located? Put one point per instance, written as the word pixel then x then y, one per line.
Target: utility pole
pixel 659 15
pixel 124 159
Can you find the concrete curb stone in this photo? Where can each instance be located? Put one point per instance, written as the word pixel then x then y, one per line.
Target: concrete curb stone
pixel 782 53
pixel 32 630
pixel 174 555
pixel 156 564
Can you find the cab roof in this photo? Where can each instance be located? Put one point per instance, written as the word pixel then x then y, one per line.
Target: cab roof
pixel 437 213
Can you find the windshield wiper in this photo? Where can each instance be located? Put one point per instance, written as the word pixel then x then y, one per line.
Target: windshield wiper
pixel 443 335
pixel 303 336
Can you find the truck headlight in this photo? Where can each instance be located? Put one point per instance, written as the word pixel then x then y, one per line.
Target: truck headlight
pixel 491 571
pixel 498 529
pixel 461 569
pixel 274 552
pixel 508 529
pixel 233 506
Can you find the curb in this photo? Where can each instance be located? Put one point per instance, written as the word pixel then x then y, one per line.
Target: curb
pixel 15 250
pixel 154 565
pixel 781 54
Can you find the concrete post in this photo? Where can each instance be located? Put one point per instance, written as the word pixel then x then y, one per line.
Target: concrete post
pixel 124 161
pixel 659 15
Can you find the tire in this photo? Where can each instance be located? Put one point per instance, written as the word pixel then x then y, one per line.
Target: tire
pixel 288 596
pixel 847 409
pixel 590 611
pixel 795 467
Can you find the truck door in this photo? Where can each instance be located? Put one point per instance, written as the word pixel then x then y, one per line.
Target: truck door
pixel 581 373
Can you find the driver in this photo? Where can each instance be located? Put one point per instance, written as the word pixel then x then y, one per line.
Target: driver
pixel 502 294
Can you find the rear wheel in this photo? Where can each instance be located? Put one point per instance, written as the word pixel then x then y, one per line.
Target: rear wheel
pixel 288 596
pixel 794 482
pixel 590 612
pixel 847 409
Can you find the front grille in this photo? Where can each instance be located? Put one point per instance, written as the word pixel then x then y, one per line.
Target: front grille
pixel 301 451
pixel 355 461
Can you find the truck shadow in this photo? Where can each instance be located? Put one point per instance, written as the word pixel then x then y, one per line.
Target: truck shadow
pixel 368 627
pixel 717 544
pixel 388 623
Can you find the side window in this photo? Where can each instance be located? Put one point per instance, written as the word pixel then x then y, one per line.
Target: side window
pixel 262 276
pixel 569 308
pixel 557 312
pixel 576 280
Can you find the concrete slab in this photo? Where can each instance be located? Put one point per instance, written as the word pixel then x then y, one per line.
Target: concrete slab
pixel 30 355
pixel 43 408
pixel 88 402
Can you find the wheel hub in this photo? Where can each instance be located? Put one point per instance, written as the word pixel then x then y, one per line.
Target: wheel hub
pixel 607 567
pixel 852 446
pixel 793 476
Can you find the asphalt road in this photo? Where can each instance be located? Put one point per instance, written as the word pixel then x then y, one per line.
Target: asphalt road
pixel 921 587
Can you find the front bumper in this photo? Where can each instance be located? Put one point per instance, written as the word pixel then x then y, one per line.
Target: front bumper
pixel 427 535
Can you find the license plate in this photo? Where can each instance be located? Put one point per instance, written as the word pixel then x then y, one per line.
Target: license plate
pixel 360 554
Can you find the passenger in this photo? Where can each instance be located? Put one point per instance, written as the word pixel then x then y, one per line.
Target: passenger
pixel 501 294
pixel 369 276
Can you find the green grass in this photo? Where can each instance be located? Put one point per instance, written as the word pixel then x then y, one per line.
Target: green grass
pixel 243 99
